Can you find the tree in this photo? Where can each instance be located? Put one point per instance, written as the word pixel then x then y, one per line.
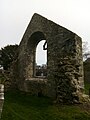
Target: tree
pixel 7 55
pixel 86 51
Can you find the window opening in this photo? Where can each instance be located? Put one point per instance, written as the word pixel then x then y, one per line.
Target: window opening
pixel 41 59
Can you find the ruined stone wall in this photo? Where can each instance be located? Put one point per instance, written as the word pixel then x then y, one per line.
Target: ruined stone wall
pixel 64 81
pixel 36 86
pixel 66 67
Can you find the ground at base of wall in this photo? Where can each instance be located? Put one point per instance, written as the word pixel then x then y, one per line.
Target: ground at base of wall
pixel 21 106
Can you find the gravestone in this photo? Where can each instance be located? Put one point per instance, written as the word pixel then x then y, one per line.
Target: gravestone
pixel 1 98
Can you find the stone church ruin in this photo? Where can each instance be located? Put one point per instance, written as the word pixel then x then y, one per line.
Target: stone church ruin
pixel 64 81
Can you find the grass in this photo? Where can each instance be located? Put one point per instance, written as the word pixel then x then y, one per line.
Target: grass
pixel 21 106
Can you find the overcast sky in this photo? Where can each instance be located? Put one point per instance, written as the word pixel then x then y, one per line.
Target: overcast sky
pixel 15 15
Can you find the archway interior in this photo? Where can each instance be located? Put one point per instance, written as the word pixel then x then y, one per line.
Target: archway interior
pixel 36 39
pixel 41 59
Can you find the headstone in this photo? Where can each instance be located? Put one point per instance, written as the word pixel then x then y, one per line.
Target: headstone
pixel 1 97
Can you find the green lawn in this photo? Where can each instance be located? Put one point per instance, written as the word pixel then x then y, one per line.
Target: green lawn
pixel 21 106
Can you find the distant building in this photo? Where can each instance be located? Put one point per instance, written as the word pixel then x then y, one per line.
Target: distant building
pixel 41 70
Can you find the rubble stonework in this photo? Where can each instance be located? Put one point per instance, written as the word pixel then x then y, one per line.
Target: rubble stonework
pixel 64 82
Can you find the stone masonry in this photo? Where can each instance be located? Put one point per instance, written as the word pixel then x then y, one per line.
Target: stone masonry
pixel 64 82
